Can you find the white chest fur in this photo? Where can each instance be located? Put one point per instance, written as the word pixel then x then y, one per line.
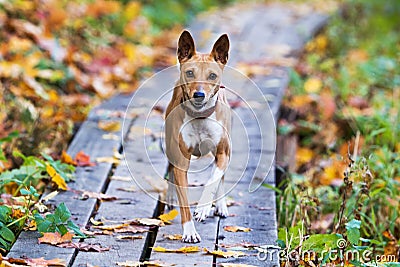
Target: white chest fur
pixel 195 131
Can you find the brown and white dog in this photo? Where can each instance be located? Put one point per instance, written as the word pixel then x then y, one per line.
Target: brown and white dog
pixel 197 122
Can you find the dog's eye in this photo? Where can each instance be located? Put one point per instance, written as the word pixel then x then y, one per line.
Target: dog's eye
pixel 212 76
pixel 189 74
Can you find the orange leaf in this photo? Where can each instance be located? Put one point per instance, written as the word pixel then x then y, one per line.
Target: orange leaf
pixel 67 158
pixel 83 160
pixel 55 238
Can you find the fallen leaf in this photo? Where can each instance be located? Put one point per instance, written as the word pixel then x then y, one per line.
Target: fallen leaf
pixel 173 237
pixel 55 238
pixel 236 229
pixel 121 178
pixel 67 158
pixel 49 196
pixel 130 237
pixel 56 177
pixel 111 227
pixel 99 196
pixel 168 217
pixel 84 247
pixel 83 160
pixel 150 222
pixel 131 229
pixel 128 189
pixel 313 85
pixel 225 254
pixel 94 222
pixel 109 126
pixel 144 263
pixel 187 249
pixel 41 262
pixel 303 155
pixel 110 136
pixel 111 160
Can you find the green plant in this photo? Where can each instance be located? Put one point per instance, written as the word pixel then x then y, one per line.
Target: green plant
pixel 59 221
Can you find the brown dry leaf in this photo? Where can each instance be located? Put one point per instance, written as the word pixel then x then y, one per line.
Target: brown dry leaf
pixel 84 247
pixel 83 160
pixel 56 178
pixel 111 227
pixel 99 196
pixel 173 237
pixel 55 238
pixel 130 237
pixel 225 254
pixel 313 85
pixel 149 222
pixel 168 217
pixel 235 229
pixel 41 262
pixel 128 189
pixel 187 249
pixel 131 229
pixel 67 158
pixel 145 263
pixel 109 126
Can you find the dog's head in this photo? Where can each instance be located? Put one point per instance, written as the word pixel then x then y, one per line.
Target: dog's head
pixel 201 74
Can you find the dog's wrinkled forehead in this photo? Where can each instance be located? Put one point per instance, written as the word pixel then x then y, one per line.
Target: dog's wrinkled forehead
pixel 201 63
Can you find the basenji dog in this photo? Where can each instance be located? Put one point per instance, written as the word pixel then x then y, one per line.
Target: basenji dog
pixel 197 123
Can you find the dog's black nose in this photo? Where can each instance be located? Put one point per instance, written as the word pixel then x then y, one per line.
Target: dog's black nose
pixel 199 96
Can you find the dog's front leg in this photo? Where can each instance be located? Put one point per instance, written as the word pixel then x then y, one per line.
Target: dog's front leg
pixel 190 234
pixel 205 203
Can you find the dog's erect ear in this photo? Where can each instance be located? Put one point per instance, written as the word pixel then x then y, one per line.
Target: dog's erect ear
pixel 221 49
pixel 186 47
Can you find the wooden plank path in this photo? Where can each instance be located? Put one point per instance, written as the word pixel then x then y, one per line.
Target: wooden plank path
pixel 258 33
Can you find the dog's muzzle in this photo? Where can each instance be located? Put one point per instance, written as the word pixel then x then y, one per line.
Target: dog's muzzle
pixel 198 99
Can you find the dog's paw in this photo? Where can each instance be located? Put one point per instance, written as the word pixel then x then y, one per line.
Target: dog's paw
pixel 190 234
pixel 221 209
pixel 201 213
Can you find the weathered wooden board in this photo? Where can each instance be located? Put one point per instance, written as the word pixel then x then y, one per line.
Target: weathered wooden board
pixel 88 139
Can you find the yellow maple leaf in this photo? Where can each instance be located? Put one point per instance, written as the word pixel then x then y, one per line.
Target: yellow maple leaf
pixel 132 10
pixel 188 249
pixel 110 126
pixel 56 177
pixel 303 155
pixel 313 85
pixel 168 217
pixel 236 229
pixel 225 254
